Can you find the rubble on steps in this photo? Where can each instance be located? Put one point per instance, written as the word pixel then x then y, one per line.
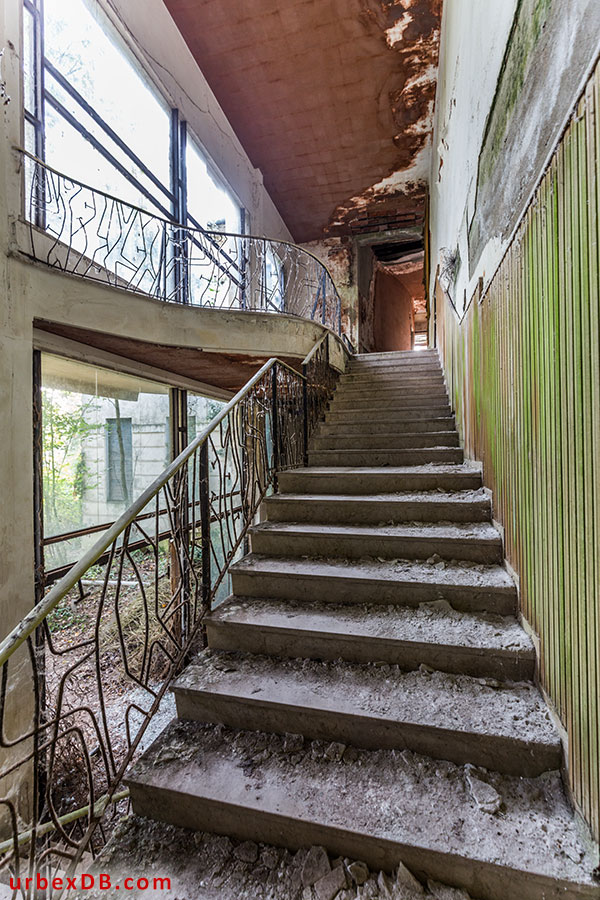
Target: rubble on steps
pixel 204 866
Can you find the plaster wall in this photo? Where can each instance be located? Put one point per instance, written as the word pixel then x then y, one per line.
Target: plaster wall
pixel 472 47
pixel 393 316
pixel 508 77
pixel 340 257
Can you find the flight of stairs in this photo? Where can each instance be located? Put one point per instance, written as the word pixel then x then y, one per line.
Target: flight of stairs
pixel 367 686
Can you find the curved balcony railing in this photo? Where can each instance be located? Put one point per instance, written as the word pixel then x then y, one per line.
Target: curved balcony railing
pixel 83 231
pixel 81 679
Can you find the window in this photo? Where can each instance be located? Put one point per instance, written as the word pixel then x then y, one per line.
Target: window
pixel 114 139
pixel 119 456
pixel 210 205
pixel 92 113
pixel 103 440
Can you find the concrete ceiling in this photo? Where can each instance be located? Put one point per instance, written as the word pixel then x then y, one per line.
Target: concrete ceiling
pixel 332 100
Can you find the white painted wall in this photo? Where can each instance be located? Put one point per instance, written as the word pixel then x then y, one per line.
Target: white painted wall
pixel 473 41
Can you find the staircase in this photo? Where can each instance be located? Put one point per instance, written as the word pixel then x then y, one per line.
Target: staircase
pixel 367 686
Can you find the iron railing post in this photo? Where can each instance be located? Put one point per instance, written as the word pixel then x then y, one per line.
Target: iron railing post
pixel 274 426
pixel 264 274
pixel 204 499
pixel 305 411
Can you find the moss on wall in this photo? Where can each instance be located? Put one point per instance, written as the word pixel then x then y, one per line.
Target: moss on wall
pixel 529 22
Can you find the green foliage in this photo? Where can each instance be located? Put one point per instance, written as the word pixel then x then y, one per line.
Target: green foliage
pixel 65 475
pixel 65 615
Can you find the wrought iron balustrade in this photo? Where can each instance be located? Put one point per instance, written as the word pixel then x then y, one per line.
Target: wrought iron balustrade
pixel 83 681
pixel 83 231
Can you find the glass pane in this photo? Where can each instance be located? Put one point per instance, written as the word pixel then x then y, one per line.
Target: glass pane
pixel 210 204
pixel 223 479
pixel 82 45
pixel 65 144
pixel 28 62
pixel 103 442
pixel 30 146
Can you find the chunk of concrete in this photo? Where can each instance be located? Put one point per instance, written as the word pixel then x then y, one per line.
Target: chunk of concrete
pixel 315 866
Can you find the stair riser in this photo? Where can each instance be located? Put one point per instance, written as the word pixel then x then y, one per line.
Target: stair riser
pixel 368 732
pixel 397 401
pixel 429 353
pixel 279 543
pixel 360 382
pixel 296 644
pixel 387 389
pixel 403 397
pixel 401 368
pixel 402 416
pixel 405 593
pixel 350 379
pixel 247 823
pixel 278 509
pixel 351 428
pixel 384 441
pixel 411 457
pixel 300 482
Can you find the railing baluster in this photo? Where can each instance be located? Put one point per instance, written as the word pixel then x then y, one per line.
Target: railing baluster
pixel 204 497
pixel 274 426
pixel 305 412
pixel 71 230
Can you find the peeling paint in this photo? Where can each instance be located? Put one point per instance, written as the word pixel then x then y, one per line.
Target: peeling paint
pixel 395 34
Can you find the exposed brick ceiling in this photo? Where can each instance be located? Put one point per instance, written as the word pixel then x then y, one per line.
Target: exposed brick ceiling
pixel 332 100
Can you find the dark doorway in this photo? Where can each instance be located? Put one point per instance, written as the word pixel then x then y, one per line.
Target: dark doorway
pixel 399 316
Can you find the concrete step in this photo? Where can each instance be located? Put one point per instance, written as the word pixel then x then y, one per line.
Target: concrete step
pixel 480 588
pixel 425 366
pixel 384 441
pixel 376 509
pixel 393 359
pixel 397 401
pixel 406 415
pixel 384 809
pixel 504 727
pixel 377 480
pixel 432 634
pixel 397 397
pixel 395 354
pixel 382 457
pixel 356 426
pixel 353 383
pixel 477 542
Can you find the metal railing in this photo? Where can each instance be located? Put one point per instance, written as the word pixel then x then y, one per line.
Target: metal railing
pixel 82 679
pixel 83 231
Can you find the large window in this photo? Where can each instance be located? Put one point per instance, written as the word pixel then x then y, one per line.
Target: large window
pixel 92 113
pixel 105 436
pixel 103 441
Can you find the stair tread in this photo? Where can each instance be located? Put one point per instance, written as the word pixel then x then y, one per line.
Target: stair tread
pixel 403 800
pixel 350 436
pixel 426 468
pixel 438 700
pixel 477 531
pixel 429 623
pixel 476 496
pixel 477 575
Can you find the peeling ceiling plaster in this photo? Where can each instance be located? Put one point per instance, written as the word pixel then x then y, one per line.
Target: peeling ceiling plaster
pixel 332 99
